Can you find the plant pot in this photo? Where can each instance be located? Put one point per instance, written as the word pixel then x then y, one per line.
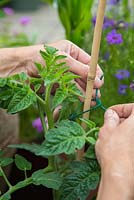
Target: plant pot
pixel 25 5
pixel 9 133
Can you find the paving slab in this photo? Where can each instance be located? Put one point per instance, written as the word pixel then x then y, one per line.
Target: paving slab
pixel 45 24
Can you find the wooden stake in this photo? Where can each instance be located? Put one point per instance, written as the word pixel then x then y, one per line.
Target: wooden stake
pixel 93 64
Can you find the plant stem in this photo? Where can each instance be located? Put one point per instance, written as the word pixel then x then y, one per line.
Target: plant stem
pixel 42 117
pixel 48 108
pixel 23 183
pixel 5 178
pixel 93 64
pixel 25 172
pixel 40 100
pixel 49 114
pixel 92 130
pixel 46 103
pixel 18 186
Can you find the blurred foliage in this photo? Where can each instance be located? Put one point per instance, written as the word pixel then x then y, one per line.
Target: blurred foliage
pixel 114 57
pixel 3 2
pixel 75 16
pixel 14 40
pixel 48 1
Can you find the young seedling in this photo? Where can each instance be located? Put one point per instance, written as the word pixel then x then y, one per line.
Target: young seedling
pixel 61 137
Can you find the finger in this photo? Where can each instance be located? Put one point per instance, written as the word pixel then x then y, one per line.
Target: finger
pixel 83 92
pixel 123 110
pixel 77 59
pixel 56 113
pixel 82 70
pixel 111 119
pixel 81 83
pixel 54 88
pixel 77 67
pixel 93 103
pixel 99 72
pixel 77 53
pixel 73 50
pixel 128 124
pixel 98 82
pixel 94 94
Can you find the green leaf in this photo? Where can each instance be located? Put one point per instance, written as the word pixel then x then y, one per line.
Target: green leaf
pixel 20 184
pixel 5 161
pixel 90 153
pixel 23 77
pixel 59 97
pixel 1 173
pixel 74 90
pixel 60 57
pixel 49 79
pixel 78 184
pixel 69 77
pixel 50 180
pixel 22 163
pixel 21 100
pixel 37 87
pixel 4 104
pixel 1 152
pixel 91 140
pixel 34 148
pixel 44 55
pixel 5 93
pixel 65 138
pixel 3 82
pixel 39 66
pixel 88 122
pixel 51 50
pixel 6 196
pixel 69 107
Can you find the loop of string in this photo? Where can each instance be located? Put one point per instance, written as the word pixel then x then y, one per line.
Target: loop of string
pixel 99 104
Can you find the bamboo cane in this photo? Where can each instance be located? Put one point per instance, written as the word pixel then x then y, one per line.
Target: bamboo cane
pixel 93 64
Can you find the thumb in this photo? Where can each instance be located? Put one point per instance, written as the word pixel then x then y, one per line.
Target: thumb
pixel 111 119
pixel 129 122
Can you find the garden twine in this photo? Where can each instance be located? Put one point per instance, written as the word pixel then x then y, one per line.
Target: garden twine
pixel 99 104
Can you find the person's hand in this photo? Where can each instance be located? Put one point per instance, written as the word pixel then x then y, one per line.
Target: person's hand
pixel 22 59
pixel 79 62
pixel 115 148
pixel 77 59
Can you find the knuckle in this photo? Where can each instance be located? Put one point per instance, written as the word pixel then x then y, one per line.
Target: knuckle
pixel 101 134
pixel 66 41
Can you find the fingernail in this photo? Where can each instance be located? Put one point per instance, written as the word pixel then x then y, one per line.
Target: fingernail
pixel 109 113
pixel 98 81
pixel 102 76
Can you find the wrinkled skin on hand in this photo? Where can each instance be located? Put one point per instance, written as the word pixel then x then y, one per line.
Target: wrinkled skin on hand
pixel 115 145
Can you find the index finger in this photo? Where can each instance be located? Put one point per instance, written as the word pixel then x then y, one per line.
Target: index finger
pixel 73 50
pixel 123 110
pixel 79 54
